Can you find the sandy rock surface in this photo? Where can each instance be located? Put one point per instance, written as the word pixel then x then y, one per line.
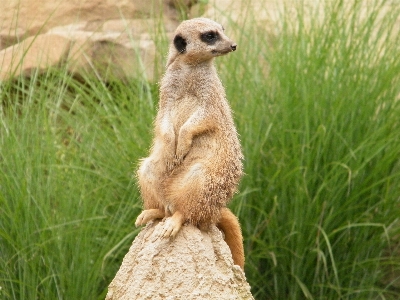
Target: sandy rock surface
pixel 118 48
pixel 114 39
pixel 22 18
pixel 194 265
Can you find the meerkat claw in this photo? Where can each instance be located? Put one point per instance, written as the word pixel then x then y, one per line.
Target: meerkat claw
pixel 173 225
pixel 170 164
pixel 168 228
pixel 178 159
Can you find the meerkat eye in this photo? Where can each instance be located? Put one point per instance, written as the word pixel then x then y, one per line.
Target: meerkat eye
pixel 209 37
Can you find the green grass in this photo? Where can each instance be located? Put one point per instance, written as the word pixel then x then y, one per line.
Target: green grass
pixel 319 204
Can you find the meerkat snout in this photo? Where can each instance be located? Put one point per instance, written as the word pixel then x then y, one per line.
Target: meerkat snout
pixel 233 47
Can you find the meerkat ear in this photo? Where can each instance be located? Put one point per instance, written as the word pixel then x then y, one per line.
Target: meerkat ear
pixel 180 43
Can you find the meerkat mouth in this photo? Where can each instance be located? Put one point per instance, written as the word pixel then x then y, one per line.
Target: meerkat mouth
pixel 223 52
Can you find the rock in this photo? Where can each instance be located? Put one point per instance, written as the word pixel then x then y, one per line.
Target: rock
pixel 113 38
pixel 116 48
pixel 23 18
pixel 34 53
pixel 194 265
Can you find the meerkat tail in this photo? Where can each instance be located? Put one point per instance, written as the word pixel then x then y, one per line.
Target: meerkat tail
pixel 229 224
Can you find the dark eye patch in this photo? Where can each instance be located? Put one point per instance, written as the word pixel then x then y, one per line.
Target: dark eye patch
pixel 209 37
pixel 180 43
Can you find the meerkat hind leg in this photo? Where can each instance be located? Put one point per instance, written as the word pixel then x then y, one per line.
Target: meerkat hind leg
pixel 171 226
pixel 148 215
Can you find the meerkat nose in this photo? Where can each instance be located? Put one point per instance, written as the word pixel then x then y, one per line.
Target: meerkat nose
pixel 233 47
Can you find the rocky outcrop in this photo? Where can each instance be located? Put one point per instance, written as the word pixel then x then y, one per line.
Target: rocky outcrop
pixel 20 19
pixel 194 265
pixel 108 37
pixel 116 48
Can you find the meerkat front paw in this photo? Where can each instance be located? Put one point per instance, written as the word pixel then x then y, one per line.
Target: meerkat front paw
pixel 182 150
pixel 148 215
pixel 169 157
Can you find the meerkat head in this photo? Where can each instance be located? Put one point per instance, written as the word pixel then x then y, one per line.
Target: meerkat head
pixel 199 40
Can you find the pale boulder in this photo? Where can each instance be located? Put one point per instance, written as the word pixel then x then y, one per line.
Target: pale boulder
pixel 34 53
pixel 112 49
pixel 22 18
pixel 108 37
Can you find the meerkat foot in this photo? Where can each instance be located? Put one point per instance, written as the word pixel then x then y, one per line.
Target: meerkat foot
pixel 148 215
pixel 170 227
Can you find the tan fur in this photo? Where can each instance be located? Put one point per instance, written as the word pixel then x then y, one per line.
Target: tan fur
pixel 195 162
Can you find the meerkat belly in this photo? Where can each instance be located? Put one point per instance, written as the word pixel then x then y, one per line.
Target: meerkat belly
pixel 204 147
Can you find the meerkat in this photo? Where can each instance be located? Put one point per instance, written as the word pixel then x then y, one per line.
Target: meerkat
pixel 195 163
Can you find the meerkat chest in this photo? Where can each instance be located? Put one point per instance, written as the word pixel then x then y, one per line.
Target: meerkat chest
pixel 189 94
pixel 181 111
